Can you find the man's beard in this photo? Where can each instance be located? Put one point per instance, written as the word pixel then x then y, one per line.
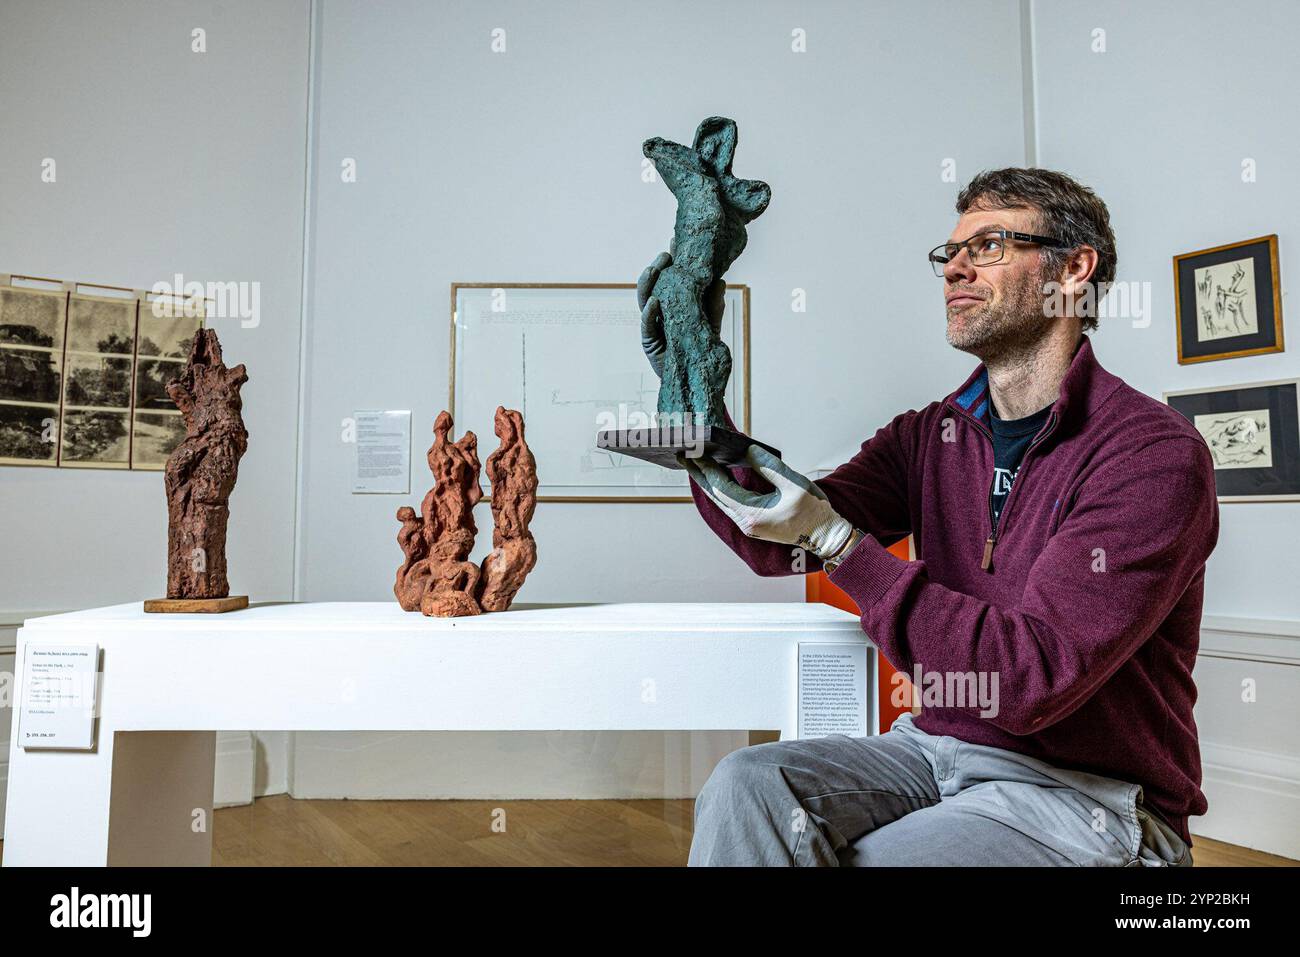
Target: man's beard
pixel 1013 327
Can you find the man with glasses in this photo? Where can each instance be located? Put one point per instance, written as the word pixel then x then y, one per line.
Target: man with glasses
pixel 1061 522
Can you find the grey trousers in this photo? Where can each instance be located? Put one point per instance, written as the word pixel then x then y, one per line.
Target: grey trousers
pixel 914 799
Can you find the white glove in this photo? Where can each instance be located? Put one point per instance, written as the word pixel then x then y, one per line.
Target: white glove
pixel 796 512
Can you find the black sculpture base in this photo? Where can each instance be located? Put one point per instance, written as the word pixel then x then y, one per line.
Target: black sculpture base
pixel 661 445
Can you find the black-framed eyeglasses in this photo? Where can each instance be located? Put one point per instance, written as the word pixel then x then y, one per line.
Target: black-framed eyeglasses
pixel 986 247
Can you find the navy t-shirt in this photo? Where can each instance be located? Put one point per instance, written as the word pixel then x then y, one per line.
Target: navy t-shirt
pixel 1010 439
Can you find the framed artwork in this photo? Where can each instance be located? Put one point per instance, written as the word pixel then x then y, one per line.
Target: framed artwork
pixel 1253 431
pixel 568 357
pixel 83 374
pixel 1228 301
pixel 32 327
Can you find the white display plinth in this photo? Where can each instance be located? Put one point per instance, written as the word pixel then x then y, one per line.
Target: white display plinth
pixel 144 795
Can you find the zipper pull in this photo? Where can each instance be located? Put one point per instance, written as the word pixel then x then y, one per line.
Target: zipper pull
pixel 987 560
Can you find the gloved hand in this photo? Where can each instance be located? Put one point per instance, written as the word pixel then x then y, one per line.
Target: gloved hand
pixel 796 512
pixel 653 342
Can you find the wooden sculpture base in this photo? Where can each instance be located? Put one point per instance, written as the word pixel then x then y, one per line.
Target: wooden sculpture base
pixel 190 606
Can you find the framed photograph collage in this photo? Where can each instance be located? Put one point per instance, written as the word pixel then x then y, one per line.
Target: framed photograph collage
pixel 1228 303
pixel 83 376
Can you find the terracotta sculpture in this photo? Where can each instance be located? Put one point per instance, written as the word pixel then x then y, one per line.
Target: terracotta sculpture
pixel 201 472
pixel 436 576
pixel 512 471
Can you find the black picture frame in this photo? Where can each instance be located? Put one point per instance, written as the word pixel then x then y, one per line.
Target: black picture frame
pixel 1222 412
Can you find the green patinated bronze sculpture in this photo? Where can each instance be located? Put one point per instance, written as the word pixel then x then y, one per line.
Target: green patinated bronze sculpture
pixel 713 207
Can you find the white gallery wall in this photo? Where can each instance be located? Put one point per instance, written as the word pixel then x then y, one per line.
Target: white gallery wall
pixel 524 165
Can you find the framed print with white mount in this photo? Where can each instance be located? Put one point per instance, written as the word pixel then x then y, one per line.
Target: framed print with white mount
pixel 1253 431
pixel 1228 301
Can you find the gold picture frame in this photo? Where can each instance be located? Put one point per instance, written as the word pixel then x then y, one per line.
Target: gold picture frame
pixel 1195 307
pixel 744 386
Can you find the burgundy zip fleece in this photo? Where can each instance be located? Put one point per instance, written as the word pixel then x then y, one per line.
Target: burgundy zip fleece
pixel 1090 607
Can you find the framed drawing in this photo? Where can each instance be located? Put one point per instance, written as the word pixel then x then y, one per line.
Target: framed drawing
pixel 83 374
pixel 1253 432
pixel 1228 301
pixel 568 356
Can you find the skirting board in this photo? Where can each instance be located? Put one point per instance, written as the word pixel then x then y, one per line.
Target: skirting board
pixel 1254 799
pixel 1247 716
pixel 236 768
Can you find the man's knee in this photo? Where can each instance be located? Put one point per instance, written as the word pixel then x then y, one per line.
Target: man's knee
pixel 744 809
pixel 750 783
pixel 740 772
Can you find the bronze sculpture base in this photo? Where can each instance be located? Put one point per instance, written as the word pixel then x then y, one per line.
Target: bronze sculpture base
pixel 661 445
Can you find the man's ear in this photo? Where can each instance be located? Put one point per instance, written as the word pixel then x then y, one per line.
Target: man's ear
pixel 1079 269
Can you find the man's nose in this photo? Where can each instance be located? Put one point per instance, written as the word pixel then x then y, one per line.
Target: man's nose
pixel 959 267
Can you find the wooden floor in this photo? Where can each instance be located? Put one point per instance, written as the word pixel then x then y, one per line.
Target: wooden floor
pixel 278 830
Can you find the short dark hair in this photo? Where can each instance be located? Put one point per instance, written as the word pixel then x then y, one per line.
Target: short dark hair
pixel 1067 210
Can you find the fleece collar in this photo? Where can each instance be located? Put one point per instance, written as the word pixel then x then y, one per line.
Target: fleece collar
pixel 1085 387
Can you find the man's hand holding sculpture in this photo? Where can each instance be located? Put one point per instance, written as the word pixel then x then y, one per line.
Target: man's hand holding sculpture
pixel 795 512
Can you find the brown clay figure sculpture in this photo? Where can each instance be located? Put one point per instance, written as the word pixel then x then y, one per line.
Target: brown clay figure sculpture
pixel 513 473
pixel 199 477
pixel 436 576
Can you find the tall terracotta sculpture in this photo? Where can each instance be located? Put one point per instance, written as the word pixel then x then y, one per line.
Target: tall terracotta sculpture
pixel 512 470
pixel 436 576
pixel 199 478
